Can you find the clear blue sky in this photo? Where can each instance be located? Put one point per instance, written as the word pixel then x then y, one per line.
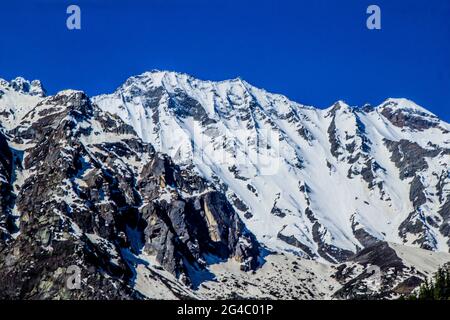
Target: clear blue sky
pixel 315 52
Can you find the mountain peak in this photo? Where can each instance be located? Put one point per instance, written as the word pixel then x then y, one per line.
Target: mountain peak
pixel 70 92
pixel 70 98
pixel 172 79
pixel 24 86
pixel 338 105
pixel 405 105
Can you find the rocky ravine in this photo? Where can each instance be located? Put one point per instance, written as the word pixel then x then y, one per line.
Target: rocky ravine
pixel 114 186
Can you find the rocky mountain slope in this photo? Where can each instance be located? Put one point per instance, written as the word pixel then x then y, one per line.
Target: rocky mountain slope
pixel 173 187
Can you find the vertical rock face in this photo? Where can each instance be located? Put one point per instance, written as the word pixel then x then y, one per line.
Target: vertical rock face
pixel 184 232
pixel 6 223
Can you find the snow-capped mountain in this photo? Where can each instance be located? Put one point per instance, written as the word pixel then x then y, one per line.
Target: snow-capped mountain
pixel 321 183
pixel 174 187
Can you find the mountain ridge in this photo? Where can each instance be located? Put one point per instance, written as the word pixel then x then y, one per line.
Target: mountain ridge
pixel 43 93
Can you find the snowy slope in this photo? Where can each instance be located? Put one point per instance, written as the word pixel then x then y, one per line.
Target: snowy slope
pixel 303 179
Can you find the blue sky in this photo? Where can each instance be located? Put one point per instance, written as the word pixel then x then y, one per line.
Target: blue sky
pixel 315 52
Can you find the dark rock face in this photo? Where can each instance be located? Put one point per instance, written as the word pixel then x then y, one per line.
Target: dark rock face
pixel 413 121
pixel 191 107
pixel 415 222
pixel 381 266
pixel 6 223
pixel 365 238
pixel 416 193
pixel 82 207
pixel 30 271
pixel 327 251
pixel 445 214
pixel 355 148
pixel 291 240
pixel 332 138
pixel 407 286
pixel 34 266
pixel 184 232
pixel 409 157
pixel 380 254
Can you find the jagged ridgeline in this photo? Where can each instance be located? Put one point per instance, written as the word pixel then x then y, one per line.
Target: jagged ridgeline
pixel 173 187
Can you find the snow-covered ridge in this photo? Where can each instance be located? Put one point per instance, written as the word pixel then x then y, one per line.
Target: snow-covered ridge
pixel 173 81
pixel 21 85
pixel 333 178
pixel 404 104
pixel 17 98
